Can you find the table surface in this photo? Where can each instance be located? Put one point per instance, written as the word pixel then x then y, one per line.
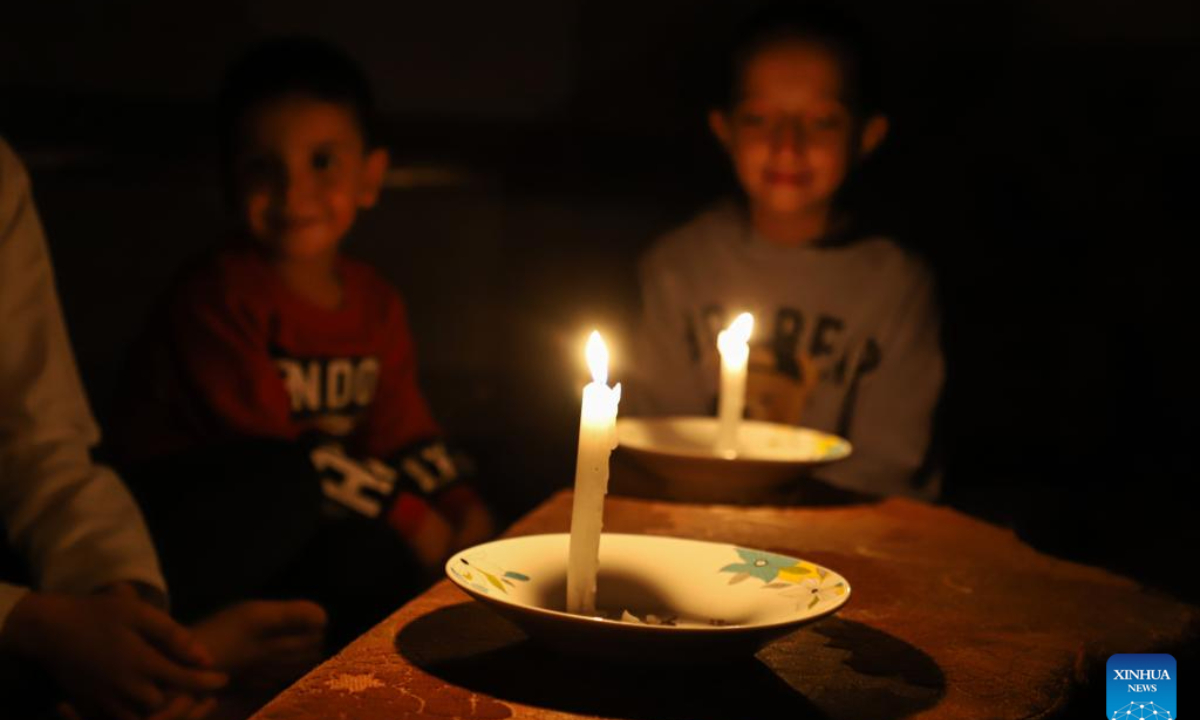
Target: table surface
pixel 950 618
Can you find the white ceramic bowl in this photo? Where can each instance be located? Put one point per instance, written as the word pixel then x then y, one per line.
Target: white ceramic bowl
pixel 683 464
pixel 711 601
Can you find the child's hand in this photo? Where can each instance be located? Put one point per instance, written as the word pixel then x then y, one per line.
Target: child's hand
pixel 265 644
pixel 114 655
pixel 777 395
pixel 432 543
pixel 477 526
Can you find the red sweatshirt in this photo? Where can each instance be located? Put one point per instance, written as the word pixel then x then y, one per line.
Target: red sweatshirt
pixel 235 353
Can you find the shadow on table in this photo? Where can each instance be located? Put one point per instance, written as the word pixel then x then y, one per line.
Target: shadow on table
pixel 834 669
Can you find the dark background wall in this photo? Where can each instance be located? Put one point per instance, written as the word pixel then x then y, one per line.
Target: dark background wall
pixel 1044 158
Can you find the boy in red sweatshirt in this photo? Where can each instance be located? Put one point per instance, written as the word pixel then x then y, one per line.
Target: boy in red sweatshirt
pixel 277 397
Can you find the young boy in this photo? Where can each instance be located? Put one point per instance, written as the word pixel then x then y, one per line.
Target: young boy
pixel 82 599
pixel 846 327
pixel 282 379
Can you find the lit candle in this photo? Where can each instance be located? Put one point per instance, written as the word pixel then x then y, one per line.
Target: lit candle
pixel 597 438
pixel 733 342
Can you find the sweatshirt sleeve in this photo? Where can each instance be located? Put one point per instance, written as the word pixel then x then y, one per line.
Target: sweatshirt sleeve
pixel 664 380
pixel 400 429
pixel 73 520
pixel 893 406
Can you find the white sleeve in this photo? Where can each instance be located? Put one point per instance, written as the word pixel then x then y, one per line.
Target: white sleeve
pixel 73 520
pixel 893 408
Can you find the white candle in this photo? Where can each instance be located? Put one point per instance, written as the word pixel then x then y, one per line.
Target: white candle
pixel 733 342
pixel 597 438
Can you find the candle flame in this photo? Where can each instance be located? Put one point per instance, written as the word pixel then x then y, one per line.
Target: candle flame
pixel 597 358
pixel 739 330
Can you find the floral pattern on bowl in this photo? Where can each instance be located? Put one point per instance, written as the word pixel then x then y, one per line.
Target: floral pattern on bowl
pixel 474 568
pixel 810 583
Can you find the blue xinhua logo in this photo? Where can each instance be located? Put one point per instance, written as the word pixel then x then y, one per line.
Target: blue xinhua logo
pixel 1141 686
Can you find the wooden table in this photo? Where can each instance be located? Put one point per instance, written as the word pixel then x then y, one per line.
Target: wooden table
pixel 950 618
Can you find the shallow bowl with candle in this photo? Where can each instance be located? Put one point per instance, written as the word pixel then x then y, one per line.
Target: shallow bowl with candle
pixel 658 598
pixel 677 458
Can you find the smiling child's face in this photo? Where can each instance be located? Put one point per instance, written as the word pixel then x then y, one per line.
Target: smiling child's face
pixel 302 174
pixel 791 134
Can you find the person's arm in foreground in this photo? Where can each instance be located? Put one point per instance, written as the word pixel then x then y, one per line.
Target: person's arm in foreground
pixel 90 623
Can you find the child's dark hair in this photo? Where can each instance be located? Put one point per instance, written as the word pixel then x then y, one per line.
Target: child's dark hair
pixel 287 66
pixel 806 21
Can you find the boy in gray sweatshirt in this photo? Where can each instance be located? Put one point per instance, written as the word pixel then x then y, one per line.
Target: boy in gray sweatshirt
pixel 847 328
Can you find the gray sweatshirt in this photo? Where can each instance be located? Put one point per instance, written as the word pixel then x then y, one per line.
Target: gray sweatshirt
pixel 846 340
pixel 71 519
